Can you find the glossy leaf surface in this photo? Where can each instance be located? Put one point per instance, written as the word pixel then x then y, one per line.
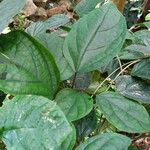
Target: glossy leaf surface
pixel 85 126
pixel 142 69
pixel 35 123
pixel 74 104
pixel 123 113
pixel 107 141
pixel 26 67
pixel 95 39
pixel 133 88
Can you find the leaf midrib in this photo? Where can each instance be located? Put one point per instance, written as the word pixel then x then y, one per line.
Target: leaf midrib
pixel 91 37
pixel 29 73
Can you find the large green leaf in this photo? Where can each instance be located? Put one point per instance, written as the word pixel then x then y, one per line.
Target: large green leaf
pixel 70 141
pixel 133 88
pixel 142 69
pixel 95 39
pixel 26 67
pixel 8 9
pixel 54 44
pixel 33 122
pixel 85 6
pixel 106 141
pixel 74 104
pixel 123 113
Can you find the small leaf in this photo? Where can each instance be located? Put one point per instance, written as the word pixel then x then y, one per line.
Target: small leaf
pixel 110 67
pixel 95 39
pixel 106 141
pixel 140 49
pixel 123 113
pixel 8 9
pixel 27 67
pixel 85 126
pixel 147 18
pixel 147 24
pixel 85 6
pixel 133 88
pixel 53 22
pixel 142 69
pixel 33 122
pixel 143 37
pixel 74 104
pixel 131 55
pixel 82 80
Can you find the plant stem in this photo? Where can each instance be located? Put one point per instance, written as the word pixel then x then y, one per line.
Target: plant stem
pixel 132 63
pixel 73 81
pixel 119 63
pixel 101 125
pixel 128 65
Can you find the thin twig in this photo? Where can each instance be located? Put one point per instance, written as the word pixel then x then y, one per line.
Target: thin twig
pixel 133 62
pixel 102 124
pixel 119 63
pixel 130 63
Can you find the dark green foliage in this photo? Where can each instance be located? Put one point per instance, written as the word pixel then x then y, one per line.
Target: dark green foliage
pixel 73 89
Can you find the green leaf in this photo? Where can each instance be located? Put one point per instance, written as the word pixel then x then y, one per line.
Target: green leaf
pixel 54 44
pixel 133 88
pixel 110 67
pixel 85 6
pixel 53 22
pixel 142 36
pixel 147 24
pixel 82 80
pixel 33 122
pixel 139 49
pixel 69 143
pixel 8 9
pixel 142 69
pixel 95 39
pixel 106 141
pixel 148 109
pixel 85 126
pixel 74 104
pixel 123 113
pixel 131 55
pixel 27 67
pixel 147 17
pixel 133 148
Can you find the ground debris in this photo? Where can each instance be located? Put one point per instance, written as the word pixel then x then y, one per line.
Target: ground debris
pixel 143 142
